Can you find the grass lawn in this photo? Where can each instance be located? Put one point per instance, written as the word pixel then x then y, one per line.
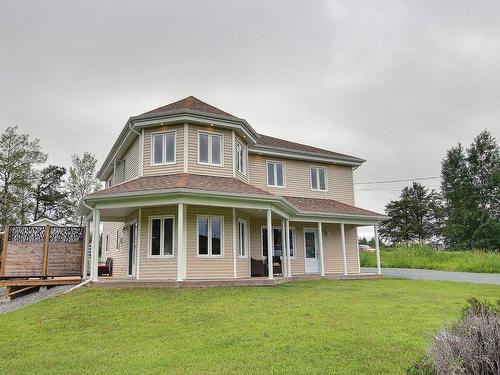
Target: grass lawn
pixel 426 258
pixel 308 327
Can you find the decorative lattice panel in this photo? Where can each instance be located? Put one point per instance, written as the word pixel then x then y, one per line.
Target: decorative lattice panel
pixel 18 233
pixel 67 234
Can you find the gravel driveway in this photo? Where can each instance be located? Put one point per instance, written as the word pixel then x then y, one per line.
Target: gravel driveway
pixel 467 277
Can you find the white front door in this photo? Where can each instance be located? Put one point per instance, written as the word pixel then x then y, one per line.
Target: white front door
pixel 311 250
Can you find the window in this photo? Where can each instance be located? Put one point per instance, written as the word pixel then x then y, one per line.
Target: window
pixel 163 145
pixel 209 148
pixel 318 178
pixel 278 248
pixel 210 242
pixel 117 244
pixel 240 158
pixel 275 174
pixel 242 238
pixel 161 232
pixel 106 248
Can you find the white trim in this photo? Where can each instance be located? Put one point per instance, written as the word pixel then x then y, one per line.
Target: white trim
pixel 317 167
pixel 377 250
pixel 270 245
pixel 162 236
pixel 247 239
pixel 186 148
pixel 316 244
pixel 234 239
pixel 118 240
pixel 139 235
pixel 244 158
pixel 276 173
pixel 288 258
pixel 209 146
pixel 106 247
pixel 209 236
pixel 141 155
pixel 180 241
pixel 284 252
pixel 136 235
pixel 164 147
pixel 357 249
pixel 344 254
pixel 320 242
pixel 95 243
pixel 233 148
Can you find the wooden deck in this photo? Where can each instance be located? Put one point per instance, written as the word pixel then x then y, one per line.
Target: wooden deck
pixel 41 282
pixel 114 282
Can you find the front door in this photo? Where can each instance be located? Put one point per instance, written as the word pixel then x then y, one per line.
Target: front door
pixel 311 250
pixel 132 244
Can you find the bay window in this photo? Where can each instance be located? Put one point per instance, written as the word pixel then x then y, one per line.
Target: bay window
pixel 210 232
pixel 163 148
pixel 161 236
pixel 209 148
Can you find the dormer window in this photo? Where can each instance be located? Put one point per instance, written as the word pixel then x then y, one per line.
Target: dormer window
pixel 163 145
pixel 210 148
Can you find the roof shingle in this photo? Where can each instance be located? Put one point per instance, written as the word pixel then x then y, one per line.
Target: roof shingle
pixel 192 104
pixel 328 206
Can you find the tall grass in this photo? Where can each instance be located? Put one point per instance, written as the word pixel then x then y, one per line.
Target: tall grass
pixel 424 257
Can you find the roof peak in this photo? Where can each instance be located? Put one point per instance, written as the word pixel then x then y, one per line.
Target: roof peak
pixel 190 103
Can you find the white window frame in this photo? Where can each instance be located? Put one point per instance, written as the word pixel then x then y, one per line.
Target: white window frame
pixel 276 173
pixel 106 248
pixel 162 234
pixel 292 229
pixel 245 243
pixel 241 156
pixel 164 148
pixel 210 218
pixel 209 146
pixel 117 245
pixel 317 178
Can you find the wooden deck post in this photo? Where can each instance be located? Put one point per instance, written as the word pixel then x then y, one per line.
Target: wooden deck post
pixel 45 250
pixel 4 249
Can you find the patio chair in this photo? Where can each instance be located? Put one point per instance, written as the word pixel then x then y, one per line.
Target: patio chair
pixel 105 268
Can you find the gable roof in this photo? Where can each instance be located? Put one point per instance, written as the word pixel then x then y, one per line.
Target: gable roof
pixel 267 141
pixel 191 104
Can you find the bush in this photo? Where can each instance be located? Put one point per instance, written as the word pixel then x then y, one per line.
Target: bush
pixel 470 346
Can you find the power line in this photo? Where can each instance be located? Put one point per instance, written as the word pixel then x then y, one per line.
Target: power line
pixel 401 180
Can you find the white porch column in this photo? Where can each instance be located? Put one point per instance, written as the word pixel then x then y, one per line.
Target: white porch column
pixel 344 254
pixel 289 264
pixel 377 249
pixel 235 250
pixel 321 256
pixel 86 247
pixel 270 247
pixel 284 262
pixel 181 248
pixel 95 244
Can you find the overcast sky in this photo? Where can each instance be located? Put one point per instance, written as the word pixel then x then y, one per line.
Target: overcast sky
pixel 394 82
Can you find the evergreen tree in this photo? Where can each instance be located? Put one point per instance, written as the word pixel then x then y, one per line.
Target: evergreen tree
pixel 471 190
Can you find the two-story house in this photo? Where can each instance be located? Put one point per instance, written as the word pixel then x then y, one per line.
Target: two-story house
pixel 193 192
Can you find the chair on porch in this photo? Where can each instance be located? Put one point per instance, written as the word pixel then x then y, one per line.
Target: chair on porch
pixel 258 268
pixel 105 268
pixel 277 265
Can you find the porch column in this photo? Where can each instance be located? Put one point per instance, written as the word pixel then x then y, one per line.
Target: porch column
pixel 270 247
pixel 95 244
pixel 181 248
pixel 235 250
pixel 288 262
pixel 86 248
pixel 344 255
pixel 321 256
pixel 284 262
pixel 377 249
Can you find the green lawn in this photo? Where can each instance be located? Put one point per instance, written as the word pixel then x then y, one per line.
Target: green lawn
pixel 426 258
pixel 309 327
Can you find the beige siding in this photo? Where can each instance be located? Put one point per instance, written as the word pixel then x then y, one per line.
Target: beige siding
pixel 223 171
pixel 297 179
pixel 332 249
pixel 209 267
pixel 131 158
pixel 178 167
pixel 156 268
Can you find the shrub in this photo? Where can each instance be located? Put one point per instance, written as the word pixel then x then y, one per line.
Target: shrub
pixel 470 346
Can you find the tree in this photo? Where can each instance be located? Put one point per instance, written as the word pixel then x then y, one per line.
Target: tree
pixel 416 216
pixel 18 156
pixel 50 194
pixel 82 180
pixel 471 191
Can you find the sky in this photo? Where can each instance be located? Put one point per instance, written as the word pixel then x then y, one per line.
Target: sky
pixel 394 82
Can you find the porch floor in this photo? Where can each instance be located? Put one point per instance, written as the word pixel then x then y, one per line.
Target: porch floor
pixel 120 282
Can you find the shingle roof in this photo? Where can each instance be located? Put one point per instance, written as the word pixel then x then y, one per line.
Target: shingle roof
pixel 190 103
pixel 328 206
pixel 183 181
pixel 279 143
